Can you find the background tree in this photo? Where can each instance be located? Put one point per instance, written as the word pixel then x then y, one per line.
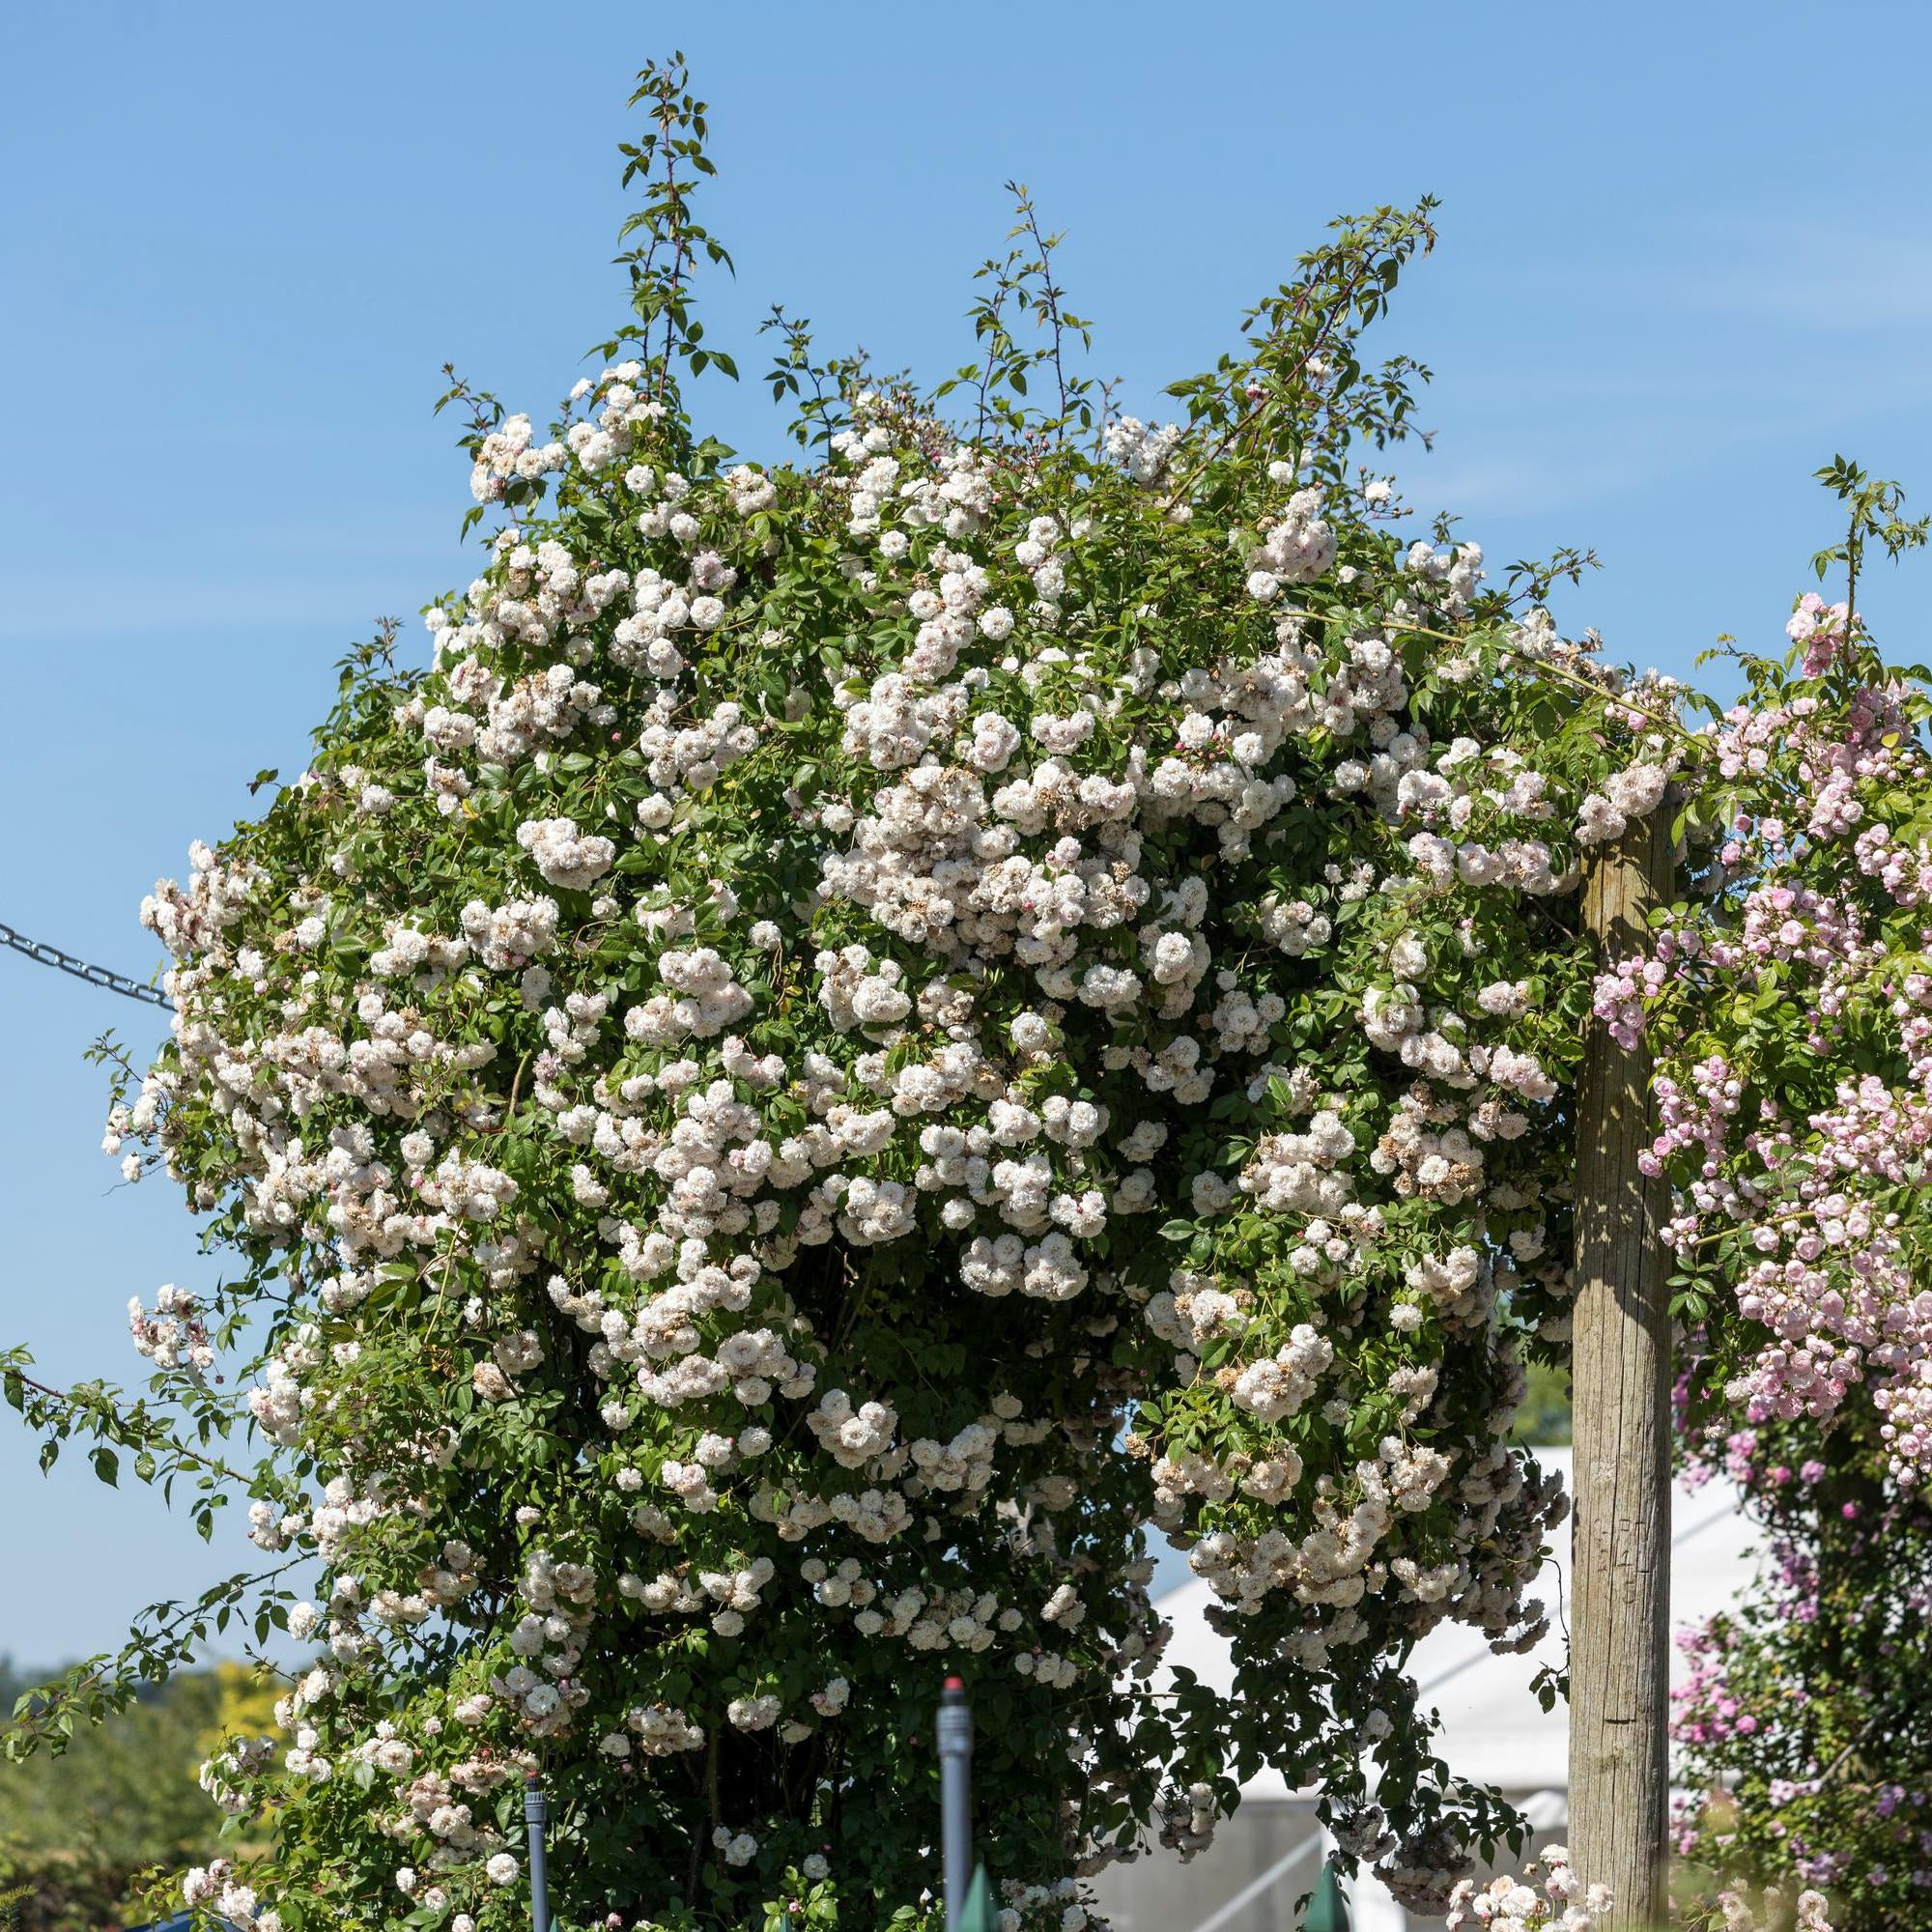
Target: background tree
pixel 79 1832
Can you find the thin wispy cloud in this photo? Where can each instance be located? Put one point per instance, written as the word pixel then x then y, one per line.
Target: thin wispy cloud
pixel 1818 276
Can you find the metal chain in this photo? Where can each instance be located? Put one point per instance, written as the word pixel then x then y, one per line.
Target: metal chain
pixel 95 976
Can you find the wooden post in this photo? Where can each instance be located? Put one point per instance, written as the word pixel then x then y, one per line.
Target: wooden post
pixel 1620 1596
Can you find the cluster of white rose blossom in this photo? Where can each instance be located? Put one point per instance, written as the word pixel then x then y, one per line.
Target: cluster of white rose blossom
pixel 565 857
pixel 1561 1902
pixel 1735 1913
pixel 216 1887
pixel 795 910
pixel 173 1336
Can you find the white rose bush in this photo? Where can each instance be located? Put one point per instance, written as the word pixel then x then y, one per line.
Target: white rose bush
pixel 1546 1897
pixel 864 1034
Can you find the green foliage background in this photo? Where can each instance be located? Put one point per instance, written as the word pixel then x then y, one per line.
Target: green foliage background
pixel 78 1830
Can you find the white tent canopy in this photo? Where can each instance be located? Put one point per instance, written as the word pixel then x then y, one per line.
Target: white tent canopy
pixel 1493 1731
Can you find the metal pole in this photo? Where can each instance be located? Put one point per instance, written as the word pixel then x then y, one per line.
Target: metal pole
pixel 537 1815
pixel 956 1812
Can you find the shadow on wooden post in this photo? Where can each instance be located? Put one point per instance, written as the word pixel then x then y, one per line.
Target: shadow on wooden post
pixel 1620 1599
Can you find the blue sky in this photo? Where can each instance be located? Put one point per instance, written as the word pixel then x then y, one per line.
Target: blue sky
pixel 1685 256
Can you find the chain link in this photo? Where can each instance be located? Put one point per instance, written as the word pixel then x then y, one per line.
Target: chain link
pixel 96 976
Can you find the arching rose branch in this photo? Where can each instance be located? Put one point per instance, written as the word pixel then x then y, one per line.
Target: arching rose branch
pixel 1038 860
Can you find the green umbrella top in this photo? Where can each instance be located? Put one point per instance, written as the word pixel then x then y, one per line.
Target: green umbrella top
pixel 977 1914
pixel 1326 1912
